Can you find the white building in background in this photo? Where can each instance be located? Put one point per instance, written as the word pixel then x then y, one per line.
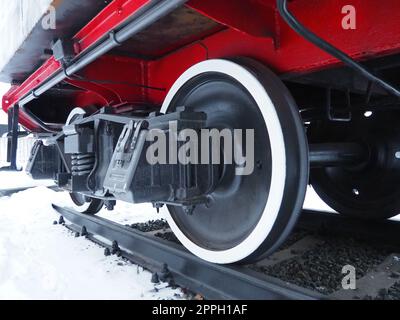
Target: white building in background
pixel 23 153
pixel 4 87
pixel 24 144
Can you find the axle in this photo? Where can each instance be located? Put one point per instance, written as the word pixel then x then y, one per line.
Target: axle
pixel 336 154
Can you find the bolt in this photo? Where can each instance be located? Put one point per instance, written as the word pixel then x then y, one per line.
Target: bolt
pixel 172 284
pixel 189 210
pixel 115 248
pixel 165 268
pixel 155 278
pixel 61 220
pixel 107 252
pixel 84 232
pixel 110 205
pixel 165 273
pixel 157 206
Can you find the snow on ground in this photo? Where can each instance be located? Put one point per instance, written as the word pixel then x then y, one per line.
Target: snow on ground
pixel 39 260
pixel 314 202
pixel 16 180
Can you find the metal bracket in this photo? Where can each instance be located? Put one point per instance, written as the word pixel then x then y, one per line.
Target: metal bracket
pixel 63 50
pixel 138 127
pixel 12 144
pixel 342 115
pixel 114 39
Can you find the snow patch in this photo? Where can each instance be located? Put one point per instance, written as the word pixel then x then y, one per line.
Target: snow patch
pixel 39 260
pixel 15 180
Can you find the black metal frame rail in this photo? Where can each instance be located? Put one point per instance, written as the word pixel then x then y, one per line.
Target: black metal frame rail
pixel 210 280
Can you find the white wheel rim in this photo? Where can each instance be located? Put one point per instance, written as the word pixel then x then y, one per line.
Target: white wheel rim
pixel 278 154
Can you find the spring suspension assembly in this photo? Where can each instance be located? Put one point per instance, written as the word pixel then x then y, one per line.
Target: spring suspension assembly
pixel 82 163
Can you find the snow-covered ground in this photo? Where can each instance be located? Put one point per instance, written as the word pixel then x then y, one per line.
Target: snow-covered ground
pixel 39 260
pixel 13 180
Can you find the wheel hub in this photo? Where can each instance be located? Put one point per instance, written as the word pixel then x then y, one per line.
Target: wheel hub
pixel 214 226
pixel 368 189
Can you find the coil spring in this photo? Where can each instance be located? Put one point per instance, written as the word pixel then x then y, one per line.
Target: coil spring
pixel 82 164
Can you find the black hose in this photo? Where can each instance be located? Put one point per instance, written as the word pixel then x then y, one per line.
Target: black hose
pixel 327 47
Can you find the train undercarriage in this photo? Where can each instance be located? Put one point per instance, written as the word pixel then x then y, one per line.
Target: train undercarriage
pixel 218 121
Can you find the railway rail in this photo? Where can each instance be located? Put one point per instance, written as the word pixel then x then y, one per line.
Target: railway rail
pixel 277 277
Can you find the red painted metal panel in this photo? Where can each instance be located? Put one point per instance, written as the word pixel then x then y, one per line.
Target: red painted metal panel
pixel 377 33
pixel 124 76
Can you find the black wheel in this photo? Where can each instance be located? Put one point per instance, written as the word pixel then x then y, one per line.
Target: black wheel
pixel 248 216
pixel 369 190
pixel 85 204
